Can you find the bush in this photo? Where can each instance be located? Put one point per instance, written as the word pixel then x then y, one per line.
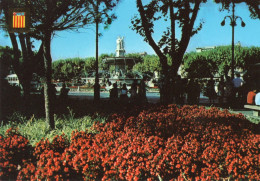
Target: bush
pixel 15 150
pixel 35 129
pixel 168 143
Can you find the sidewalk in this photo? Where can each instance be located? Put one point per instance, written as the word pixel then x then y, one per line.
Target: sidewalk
pixel 155 98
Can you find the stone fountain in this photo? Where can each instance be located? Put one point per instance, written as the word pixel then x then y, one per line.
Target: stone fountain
pixel 122 65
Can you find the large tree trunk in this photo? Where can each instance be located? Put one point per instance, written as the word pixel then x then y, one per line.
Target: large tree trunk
pixel 167 88
pixel 26 87
pixel 26 77
pixel 49 113
pixel 166 93
pixel 21 69
pixel 169 72
pixel 24 69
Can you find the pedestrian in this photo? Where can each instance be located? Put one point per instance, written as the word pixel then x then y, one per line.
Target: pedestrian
pixel 64 93
pixel 210 90
pixel 192 92
pixel 229 91
pixel 237 84
pixel 247 86
pixel 161 86
pixel 63 98
pixel 123 93
pixel 221 90
pixel 114 93
pixel 53 92
pixel 142 92
pixel 133 91
pixel 196 92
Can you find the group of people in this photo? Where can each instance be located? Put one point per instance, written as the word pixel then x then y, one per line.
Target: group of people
pixel 229 91
pixel 63 92
pixel 181 89
pixel 137 92
pixel 237 91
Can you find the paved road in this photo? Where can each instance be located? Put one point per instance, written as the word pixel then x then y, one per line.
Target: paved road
pixel 152 97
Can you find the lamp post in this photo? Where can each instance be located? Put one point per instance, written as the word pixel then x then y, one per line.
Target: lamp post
pixel 97 85
pixel 233 19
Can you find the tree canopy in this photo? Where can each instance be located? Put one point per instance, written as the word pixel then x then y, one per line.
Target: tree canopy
pixel 72 68
pixel 218 61
pixel 150 64
pixel 6 56
pixel 253 6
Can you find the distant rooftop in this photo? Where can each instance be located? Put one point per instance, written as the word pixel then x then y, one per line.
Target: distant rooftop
pixel 202 49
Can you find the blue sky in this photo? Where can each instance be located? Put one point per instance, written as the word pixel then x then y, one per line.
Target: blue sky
pixel 68 44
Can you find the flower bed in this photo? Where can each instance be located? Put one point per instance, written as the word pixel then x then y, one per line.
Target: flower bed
pixel 187 143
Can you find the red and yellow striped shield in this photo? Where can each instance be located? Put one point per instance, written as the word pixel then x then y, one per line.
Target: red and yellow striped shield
pixel 18 19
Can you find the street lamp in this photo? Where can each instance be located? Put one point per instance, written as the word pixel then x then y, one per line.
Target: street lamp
pixel 97 85
pixel 233 19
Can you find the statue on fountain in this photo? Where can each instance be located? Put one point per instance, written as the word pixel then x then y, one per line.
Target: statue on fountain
pixel 120 47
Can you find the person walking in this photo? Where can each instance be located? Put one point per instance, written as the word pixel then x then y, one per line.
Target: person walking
pixel 196 92
pixel 221 90
pixel 114 93
pixel 63 98
pixel 64 93
pixel 210 90
pixel 133 91
pixel 142 92
pixel 123 94
pixel 237 84
pixel 229 91
pixel 192 92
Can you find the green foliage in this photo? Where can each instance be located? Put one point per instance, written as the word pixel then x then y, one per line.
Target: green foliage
pixel 134 55
pixel 183 14
pixel 5 61
pixel 218 60
pixel 72 68
pixel 150 63
pixel 253 6
pixel 254 120
pixel 101 11
pixel 101 64
pixel 198 66
pixel 36 129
